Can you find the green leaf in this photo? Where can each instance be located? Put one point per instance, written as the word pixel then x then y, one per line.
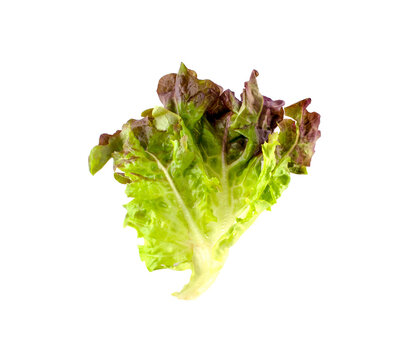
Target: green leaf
pixel 201 169
pixel 102 152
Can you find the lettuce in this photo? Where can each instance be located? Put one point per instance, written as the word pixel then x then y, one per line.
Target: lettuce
pixel 201 168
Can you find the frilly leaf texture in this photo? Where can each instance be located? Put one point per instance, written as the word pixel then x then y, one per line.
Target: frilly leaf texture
pixel 201 168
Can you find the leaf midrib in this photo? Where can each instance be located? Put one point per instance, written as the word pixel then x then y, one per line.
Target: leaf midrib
pixel 199 238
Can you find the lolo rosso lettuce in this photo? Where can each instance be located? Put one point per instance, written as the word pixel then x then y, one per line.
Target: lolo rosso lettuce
pixel 201 168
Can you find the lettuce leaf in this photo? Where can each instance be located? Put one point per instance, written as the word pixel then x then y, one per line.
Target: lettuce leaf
pixel 201 168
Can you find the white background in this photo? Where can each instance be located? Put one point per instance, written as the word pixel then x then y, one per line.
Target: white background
pixel 324 275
